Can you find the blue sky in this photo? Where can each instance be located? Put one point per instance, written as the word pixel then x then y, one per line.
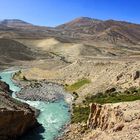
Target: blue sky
pixel 55 12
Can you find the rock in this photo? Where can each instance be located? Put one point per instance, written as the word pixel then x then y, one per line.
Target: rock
pixel 15 117
pixel 5 87
pixel 114 121
pixel 137 126
pixel 136 75
pixel 119 77
pixel 128 118
pixel 103 117
pixel 110 90
pixel 119 127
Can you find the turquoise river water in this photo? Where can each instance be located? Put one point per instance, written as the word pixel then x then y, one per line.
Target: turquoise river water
pixel 53 116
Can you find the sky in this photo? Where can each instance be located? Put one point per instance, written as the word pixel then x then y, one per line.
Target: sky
pixel 56 12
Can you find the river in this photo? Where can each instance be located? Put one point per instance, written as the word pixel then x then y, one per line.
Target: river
pixel 53 115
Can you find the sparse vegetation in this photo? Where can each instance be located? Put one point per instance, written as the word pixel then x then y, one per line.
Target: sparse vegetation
pixel 77 85
pixel 81 112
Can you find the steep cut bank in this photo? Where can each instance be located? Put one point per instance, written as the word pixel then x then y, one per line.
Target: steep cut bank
pixel 119 121
pixel 15 117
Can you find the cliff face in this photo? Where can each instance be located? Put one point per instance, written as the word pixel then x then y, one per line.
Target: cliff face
pixel 114 121
pixel 15 117
pixel 104 117
pixel 119 121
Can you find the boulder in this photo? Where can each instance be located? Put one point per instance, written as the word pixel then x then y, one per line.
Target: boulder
pixel 110 90
pixel 136 75
pixel 118 127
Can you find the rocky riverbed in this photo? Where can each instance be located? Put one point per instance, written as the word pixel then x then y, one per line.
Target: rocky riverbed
pixel 44 91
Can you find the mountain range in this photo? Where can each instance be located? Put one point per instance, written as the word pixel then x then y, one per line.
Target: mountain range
pixel 81 28
pixel 96 61
pixel 86 37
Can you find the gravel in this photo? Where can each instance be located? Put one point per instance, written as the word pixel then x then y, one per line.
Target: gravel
pixel 44 91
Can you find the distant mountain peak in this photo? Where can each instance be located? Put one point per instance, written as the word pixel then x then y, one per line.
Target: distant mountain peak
pixel 87 18
pixel 79 22
pixel 14 23
pixel 83 18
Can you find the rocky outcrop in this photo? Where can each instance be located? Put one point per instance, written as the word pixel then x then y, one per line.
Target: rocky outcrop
pixel 4 87
pixel 15 117
pixel 104 117
pixel 114 121
pixel 136 75
pixel 119 121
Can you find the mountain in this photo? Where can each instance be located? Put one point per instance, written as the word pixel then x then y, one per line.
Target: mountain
pixel 83 28
pixel 84 37
pixel 79 22
pixel 14 23
pixel 109 30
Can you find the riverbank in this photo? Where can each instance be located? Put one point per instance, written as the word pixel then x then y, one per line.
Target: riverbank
pixel 78 129
pixel 47 92
pixel 53 115
pixel 119 121
pixel 13 112
pixel 106 116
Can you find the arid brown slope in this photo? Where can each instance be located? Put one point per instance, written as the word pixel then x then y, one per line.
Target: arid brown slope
pixel 81 28
pixel 14 50
pixel 109 30
pixel 79 39
pixel 11 51
pixel 119 121
pixel 87 37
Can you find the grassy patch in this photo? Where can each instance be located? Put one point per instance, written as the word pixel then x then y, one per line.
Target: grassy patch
pixel 77 85
pixel 81 112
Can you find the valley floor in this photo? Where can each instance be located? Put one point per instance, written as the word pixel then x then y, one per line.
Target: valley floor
pixel 87 77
